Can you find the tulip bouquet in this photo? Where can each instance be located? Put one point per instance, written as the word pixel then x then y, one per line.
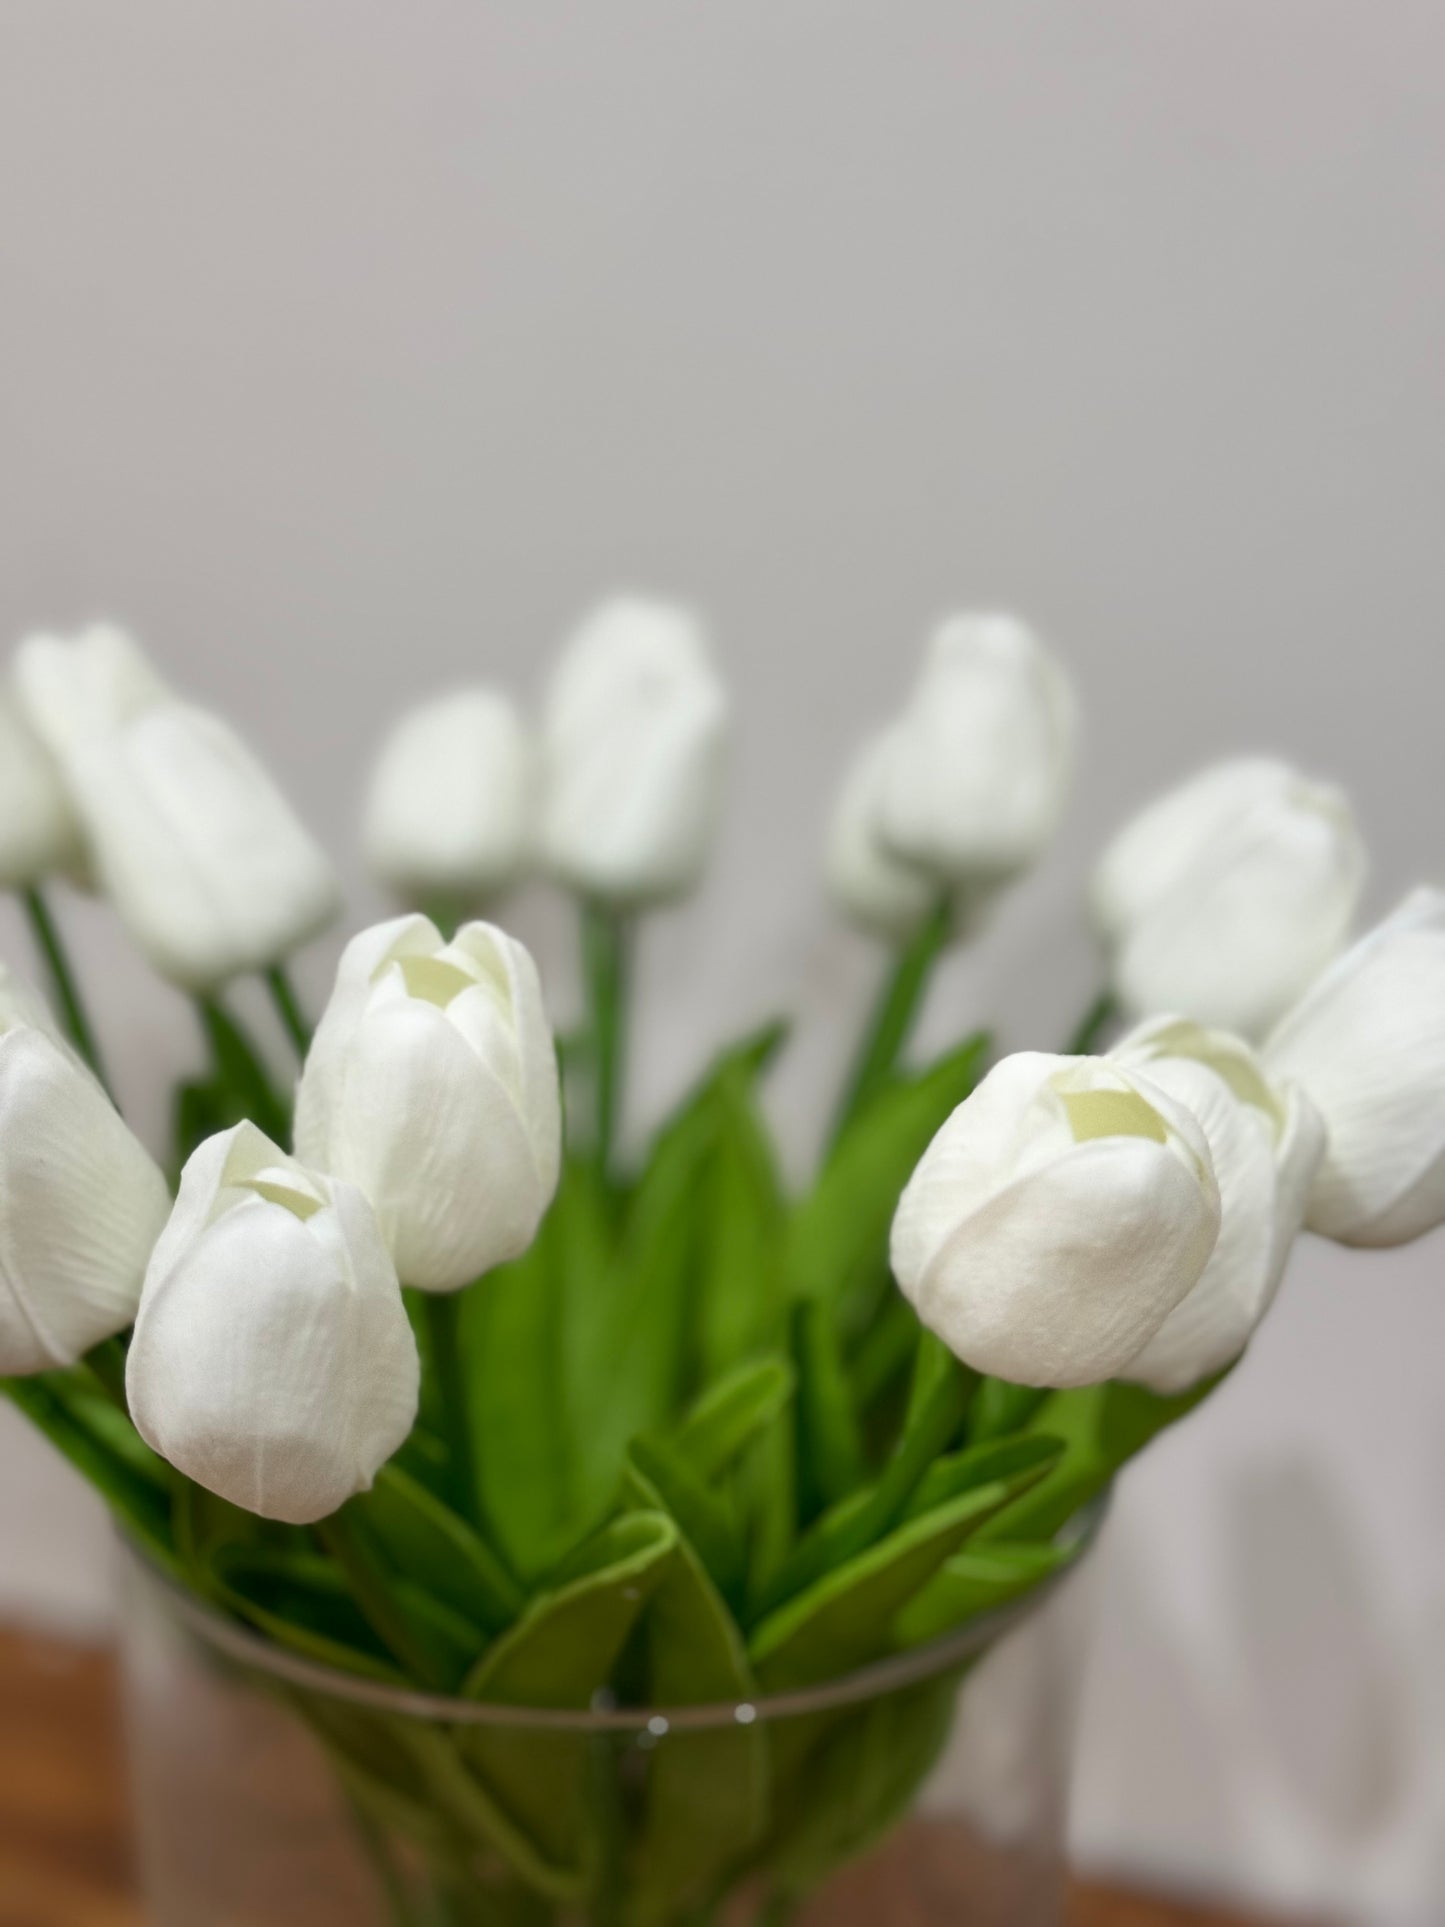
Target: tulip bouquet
pixel 425 1377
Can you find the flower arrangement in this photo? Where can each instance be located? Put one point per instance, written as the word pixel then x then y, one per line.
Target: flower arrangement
pixel 422 1384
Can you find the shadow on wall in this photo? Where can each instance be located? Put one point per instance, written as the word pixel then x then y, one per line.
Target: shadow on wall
pixel 1297 1757
pixel 1173 1806
pixel 1323 1677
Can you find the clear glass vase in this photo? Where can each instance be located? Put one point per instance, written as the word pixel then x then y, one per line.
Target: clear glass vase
pixel 273 1792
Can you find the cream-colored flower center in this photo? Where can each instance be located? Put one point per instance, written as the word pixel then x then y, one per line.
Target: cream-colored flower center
pixel 287 1188
pixel 1095 1114
pixel 434 980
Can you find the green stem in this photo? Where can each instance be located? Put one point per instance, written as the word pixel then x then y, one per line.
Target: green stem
pixel 442 1312
pixel 288 1005
pixel 186 1531
pixel 1093 1025
pixel 372 1591
pixel 895 1012
pixel 606 948
pixel 240 1072
pixel 62 978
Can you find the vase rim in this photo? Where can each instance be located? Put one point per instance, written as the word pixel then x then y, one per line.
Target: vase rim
pixel 888 1675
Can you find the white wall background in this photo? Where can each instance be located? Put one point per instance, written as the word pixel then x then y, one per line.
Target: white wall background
pixel 348 348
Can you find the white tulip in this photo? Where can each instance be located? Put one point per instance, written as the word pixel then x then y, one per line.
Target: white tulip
pixel 1056 1220
pixel 634 739
pixel 203 858
pixel 39 833
pixel 432 1084
pixel 81 1200
pixel 866 881
pixel 449 813
pixel 272 1360
pixel 1222 899
pixel 1367 1041
pixel 1265 1143
pixel 977 786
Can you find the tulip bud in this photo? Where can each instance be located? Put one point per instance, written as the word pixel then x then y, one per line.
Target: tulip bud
pixel 81 1200
pixel 38 831
pixel 1367 1041
pixel 634 737
pixel 449 814
pixel 1265 1143
pixel 1223 898
pixel 432 1084
pixel 866 881
pixel 272 1361
pixel 201 855
pixel 1056 1220
pixel 978 781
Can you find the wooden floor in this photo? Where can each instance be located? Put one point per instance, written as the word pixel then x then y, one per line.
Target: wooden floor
pixel 63 1850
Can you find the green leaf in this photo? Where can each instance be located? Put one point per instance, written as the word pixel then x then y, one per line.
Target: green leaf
pixel 940 1399
pixel 704 1518
pixel 981 1579
pixel 511 1339
pixel 561 1653
pixel 438 1551
pixel 301 1601
pixel 846 1618
pixel 639 1339
pixel 111 1427
pixel 837 1245
pixel 742 1216
pixel 637 1358
pixel 830 1445
pixel 435 1645
pixel 706 1792
pixel 1024 1460
pixel 884 1352
pixel 731 1414
pixel 852 1776
pixel 1000 1407
pixel 1102 1427
pixel 766 1484
pixel 140 1503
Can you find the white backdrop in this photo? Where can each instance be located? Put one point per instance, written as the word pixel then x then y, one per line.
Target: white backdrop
pixel 349 349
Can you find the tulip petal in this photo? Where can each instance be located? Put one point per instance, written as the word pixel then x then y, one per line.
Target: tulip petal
pixel 1367 1043
pixel 436 1141
pixel 449 811
pixel 1039 1287
pixel 634 751
pixel 865 879
pixel 1250 916
pixel 985 753
pixel 81 1205
pixel 1214 1321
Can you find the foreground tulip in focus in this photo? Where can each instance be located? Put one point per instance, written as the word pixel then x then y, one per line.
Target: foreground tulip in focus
pixel 1265 1142
pixel 81 1200
pixel 272 1360
pixel 432 1084
pixel 444 1371
pixel 1057 1219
